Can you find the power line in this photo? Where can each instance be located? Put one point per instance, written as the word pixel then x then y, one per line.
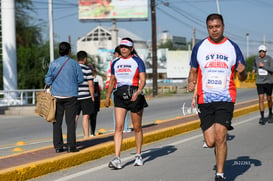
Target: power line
pixel 192 17
pixel 65 3
pixel 186 17
pixel 176 18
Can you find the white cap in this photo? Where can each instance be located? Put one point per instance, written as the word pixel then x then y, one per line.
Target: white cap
pixel 126 43
pixel 262 48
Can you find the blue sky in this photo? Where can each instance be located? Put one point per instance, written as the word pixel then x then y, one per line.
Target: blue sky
pixel 179 19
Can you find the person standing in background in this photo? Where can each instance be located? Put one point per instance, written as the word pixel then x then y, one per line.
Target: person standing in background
pixel 108 75
pixel 263 66
pixel 86 94
pixel 63 76
pixel 97 88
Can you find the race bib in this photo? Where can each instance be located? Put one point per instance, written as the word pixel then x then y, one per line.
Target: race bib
pixel 216 81
pixel 262 71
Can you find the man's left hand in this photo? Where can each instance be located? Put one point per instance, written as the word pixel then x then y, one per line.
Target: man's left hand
pixel 240 67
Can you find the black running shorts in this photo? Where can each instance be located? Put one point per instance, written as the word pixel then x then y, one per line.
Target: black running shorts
pixel 264 89
pixel 216 112
pixel 86 106
pixel 133 106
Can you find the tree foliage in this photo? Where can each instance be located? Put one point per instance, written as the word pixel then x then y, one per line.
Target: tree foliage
pixel 169 44
pixel 32 66
pixel 32 52
pixel 249 63
pixel 26 34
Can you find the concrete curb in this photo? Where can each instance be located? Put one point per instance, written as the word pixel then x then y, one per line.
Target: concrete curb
pixel 249 109
pixel 42 167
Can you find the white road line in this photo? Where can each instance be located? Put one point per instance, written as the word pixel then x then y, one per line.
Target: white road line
pixel 247 120
pixel 72 176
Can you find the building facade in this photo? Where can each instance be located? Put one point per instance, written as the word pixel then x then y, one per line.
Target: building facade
pixel 98 44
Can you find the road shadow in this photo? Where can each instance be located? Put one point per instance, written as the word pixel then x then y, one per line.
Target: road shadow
pixel 154 153
pixel 237 167
pixel 95 141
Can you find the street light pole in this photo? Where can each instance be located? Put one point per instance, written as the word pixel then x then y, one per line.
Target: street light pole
pixel 9 57
pixel 218 7
pixel 51 41
pixel 154 50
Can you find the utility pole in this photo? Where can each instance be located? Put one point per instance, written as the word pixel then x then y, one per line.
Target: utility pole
pixel 154 50
pixel 218 7
pixel 51 41
pixel 1 35
pixel 114 33
pixel 247 45
pixel 193 38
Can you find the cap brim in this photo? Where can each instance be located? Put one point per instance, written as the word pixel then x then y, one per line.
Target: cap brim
pixel 125 45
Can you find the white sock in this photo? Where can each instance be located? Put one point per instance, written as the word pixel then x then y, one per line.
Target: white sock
pixel 220 174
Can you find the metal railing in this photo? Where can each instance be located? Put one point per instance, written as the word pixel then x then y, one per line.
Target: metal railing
pixel 18 97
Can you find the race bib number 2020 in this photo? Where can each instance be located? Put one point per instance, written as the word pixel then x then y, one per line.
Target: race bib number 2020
pixel 216 81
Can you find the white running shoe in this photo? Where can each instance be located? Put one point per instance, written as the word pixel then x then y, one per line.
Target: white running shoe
pixel 115 163
pixel 205 145
pixel 127 130
pixel 138 161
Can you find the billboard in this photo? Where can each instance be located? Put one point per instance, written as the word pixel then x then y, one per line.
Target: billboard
pixel 113 9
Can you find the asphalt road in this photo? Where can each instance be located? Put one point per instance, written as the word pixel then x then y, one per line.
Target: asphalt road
pixel 34 132
pixel 182 158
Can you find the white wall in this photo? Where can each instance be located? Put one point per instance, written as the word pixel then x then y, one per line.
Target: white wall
pixel 178 64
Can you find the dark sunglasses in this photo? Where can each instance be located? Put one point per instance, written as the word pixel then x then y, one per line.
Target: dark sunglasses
pixel 261 51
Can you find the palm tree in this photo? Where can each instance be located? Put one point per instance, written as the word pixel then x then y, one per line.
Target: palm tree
pixel 32 52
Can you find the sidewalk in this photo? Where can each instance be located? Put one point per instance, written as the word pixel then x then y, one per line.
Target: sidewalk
pixel 42 161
